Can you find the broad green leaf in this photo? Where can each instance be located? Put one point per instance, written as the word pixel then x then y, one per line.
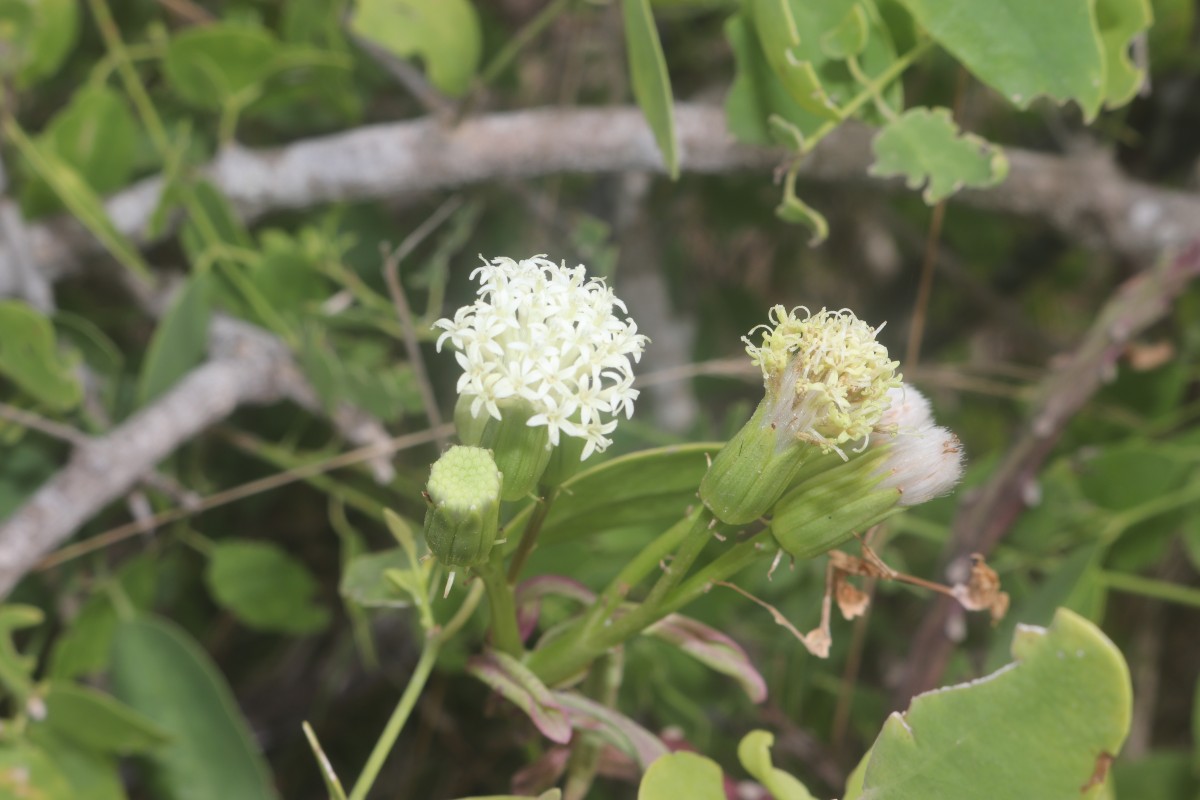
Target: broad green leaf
pixel 792 56
pixel 15 668
pixel 1041 727
pixel 97 136
pixel 365 583
pixel 756 94
pixel 209 66
pixel 26 771
pixel 86 646
pixel 36 36
pixel 29 357
pixel 849 38
pixel 91 775
pixel 264 587
pixel 1023 49
pixel 180 341
pixel 516 683
pixel 754 751
pixel 96 721
pixel 79 198
pixel 445 34
pixel 162 672
pixel 651 83
pixel 1120 21
pixel 650 487
pixel 927 148
pixel 682 775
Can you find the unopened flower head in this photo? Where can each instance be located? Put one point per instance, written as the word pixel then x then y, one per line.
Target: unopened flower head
pixel 826 376
pixel 923 460
pixel 547 335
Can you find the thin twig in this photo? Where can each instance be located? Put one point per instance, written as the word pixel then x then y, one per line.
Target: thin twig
pixel 36 422
pixel 391 275
pixel 241 492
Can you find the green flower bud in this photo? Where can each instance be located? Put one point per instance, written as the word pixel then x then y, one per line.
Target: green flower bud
pixel 464 506
pixel 751 472
pixel 826 510
pixel 826 381
pixel 521 450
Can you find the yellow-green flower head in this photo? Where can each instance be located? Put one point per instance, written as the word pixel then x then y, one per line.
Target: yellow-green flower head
pixel 548 336
pixel 827 378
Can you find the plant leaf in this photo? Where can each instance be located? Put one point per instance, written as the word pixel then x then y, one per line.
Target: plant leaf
pixel 264 586
pixel 26 771
pixel 651 83
pixel 613 727
pixel 651 487
pixel 209 65
pixel 364 580
pixel 1023 49
pixel 713 649
pixel 91 775
pixel 682 775
pixel 36 36
pixel 162 672
pixel 444 33
pixel 1120 21
pixel 180 341
pixel 1060 713
pixel 926 147
pixel 29 357
pixel 791 56
pixel 99 722
pixel 513 681
pixel 754 751
pixel 15 668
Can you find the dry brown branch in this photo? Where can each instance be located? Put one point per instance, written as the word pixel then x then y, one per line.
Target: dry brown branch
pixel 990 511
pixel 425 155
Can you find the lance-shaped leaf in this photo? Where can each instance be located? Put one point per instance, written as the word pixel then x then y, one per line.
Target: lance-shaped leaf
pixel 754 751
pixel 682 775
pixel 513 681
pixel 651 83
pixel 927 148
pixel 97 721
pixel 713 649
pixel 1047 725
pixel 529 594
pixel 613 727
pixel 1023 48
pixel 647 488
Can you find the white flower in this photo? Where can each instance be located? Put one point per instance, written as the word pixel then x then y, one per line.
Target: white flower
pixel 548 335
pixel 924 460
pixel 827 378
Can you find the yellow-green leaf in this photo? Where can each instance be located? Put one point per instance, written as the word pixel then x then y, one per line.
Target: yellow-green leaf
pixel 445 34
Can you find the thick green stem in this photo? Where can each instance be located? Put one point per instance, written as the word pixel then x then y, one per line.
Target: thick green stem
pixel 506 636
pixel 571 652
pixel 529 536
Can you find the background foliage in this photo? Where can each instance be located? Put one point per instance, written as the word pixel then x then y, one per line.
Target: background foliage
pixel 207 636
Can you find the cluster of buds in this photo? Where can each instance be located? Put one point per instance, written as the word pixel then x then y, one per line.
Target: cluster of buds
pixel 838 442
pixel 827 381
pixel 547 368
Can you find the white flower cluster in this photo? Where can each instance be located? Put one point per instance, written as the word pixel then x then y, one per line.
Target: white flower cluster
pixel 925 460
pixel 548 335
